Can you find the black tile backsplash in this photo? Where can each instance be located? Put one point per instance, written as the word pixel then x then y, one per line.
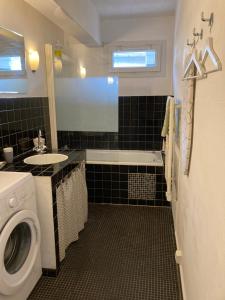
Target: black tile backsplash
pixel 110 184
pixel 20 120
pixel 140 124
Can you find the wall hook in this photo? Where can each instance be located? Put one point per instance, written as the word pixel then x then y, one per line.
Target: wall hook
pixel 192 45
pixel 210 20
pixel 198 34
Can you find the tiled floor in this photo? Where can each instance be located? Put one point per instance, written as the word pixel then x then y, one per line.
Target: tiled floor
pixel 124 253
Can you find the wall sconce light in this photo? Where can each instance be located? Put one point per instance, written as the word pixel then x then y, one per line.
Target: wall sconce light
pixel 58 60
pixel 110 80
pixel 83 72
pixel 58 65
pixel 33 60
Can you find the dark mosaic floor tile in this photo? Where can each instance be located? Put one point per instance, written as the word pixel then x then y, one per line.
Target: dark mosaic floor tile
pixel 124 253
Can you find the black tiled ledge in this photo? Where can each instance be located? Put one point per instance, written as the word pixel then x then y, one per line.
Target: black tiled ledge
pixel 46 170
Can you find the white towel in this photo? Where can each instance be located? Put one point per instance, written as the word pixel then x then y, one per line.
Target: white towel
pixel 187 124
pixel 168 132
pixel 165 129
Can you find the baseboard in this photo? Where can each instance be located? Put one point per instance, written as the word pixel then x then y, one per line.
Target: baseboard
pixel 50 272
pixel 181 272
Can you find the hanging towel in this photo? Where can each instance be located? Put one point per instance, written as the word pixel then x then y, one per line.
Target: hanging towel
pixel 187 123
pixel 165 128
pixel 168 133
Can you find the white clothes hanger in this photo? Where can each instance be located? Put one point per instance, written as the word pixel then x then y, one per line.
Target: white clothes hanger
pixel 209 52
pixel 195 62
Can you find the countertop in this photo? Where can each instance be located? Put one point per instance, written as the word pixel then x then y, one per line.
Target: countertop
pixel 74 156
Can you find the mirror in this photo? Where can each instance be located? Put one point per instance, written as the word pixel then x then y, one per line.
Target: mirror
pixel 12 63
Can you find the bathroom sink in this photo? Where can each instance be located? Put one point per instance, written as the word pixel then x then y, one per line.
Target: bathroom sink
pixel 45 159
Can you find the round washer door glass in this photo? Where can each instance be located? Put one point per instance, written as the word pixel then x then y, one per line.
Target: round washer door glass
pixel 17 248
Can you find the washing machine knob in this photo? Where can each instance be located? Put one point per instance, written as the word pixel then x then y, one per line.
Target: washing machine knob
pixel 13 202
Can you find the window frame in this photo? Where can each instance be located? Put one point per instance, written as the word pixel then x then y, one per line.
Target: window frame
pixel 140 46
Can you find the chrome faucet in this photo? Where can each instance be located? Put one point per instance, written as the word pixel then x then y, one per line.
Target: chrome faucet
pixel 40 147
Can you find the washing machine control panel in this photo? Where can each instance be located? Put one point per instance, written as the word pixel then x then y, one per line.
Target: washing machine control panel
pixel 16 199
pixel 22 197
pixel 8 203
pixel 13 202
pixel 19 198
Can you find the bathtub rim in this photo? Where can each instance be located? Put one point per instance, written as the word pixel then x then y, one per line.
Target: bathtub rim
pixel 128 163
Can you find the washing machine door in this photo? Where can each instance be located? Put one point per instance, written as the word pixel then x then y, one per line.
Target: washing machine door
pixel 19 247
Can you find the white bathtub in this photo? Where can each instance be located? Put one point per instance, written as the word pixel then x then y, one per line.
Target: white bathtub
pixel 124 157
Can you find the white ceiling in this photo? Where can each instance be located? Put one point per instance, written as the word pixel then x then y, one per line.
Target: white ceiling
pixel 117 8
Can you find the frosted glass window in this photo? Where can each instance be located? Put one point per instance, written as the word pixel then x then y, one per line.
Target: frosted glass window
pixel 135 59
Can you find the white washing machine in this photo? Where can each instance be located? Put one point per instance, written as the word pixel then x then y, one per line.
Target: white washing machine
pixel 20 261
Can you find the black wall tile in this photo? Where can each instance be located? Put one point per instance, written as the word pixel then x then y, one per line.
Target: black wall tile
pixel 20 120
pixel 140 123
pixel 109 184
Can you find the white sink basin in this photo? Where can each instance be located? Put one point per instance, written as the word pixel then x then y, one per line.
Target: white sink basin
pixel 45 159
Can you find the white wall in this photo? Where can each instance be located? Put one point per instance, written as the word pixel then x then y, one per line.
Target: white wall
pixel 143 29
pixel 85 14
pixel 37 30
pixel 200 210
